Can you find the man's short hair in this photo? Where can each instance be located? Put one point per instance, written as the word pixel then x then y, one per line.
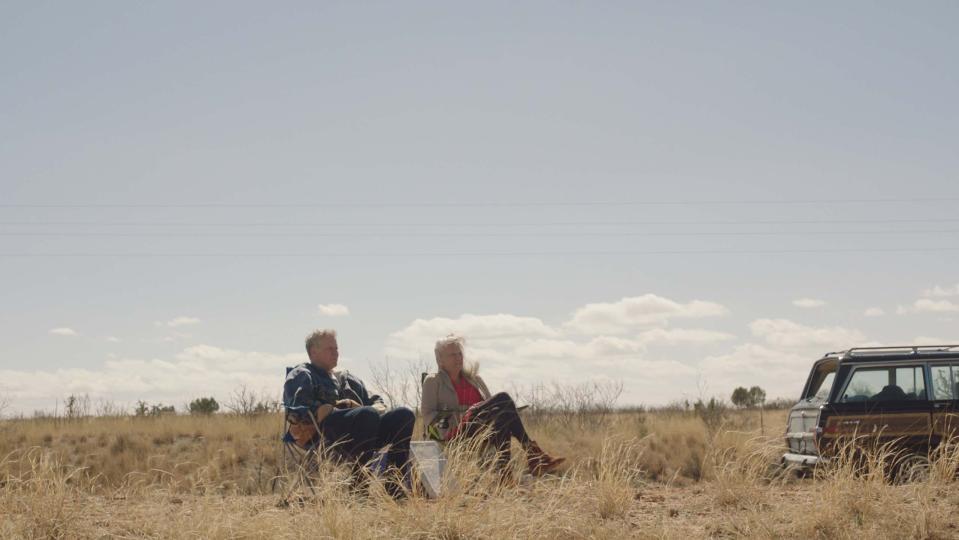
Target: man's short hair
pixel 448 341
pixel 317 336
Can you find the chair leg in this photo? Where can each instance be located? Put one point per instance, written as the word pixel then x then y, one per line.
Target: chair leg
pixel 310 459
pixel 302 463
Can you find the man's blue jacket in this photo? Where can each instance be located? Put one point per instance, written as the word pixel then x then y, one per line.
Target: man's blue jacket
pixel 307 387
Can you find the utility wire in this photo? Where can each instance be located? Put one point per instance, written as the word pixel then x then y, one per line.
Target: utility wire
pixel 486 204
pixel 484 253
pixel 471 234
pixel 511 224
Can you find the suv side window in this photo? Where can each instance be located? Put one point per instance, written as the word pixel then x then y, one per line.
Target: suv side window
pixel 886 384
pixel 945 382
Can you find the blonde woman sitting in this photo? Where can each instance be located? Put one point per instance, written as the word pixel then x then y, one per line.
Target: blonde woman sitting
pixel 456 404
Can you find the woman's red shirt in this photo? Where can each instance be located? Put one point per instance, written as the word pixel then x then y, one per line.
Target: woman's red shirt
pixel 466 393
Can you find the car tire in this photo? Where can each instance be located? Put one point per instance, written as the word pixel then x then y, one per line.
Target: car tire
pixel 911 468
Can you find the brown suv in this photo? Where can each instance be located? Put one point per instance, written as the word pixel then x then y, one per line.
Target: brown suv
pixel 907 396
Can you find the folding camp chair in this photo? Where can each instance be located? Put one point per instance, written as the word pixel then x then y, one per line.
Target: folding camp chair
pixel 304 459
pixel 305 456
pixel 429 455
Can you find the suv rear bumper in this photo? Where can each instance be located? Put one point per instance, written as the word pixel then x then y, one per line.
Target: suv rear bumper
pixel 801 460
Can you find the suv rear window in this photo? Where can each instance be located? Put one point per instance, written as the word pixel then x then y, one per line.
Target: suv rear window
pixel 886 384
pixel 821 385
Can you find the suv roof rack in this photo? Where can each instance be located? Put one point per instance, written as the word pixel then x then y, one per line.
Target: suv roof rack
pixel 909 349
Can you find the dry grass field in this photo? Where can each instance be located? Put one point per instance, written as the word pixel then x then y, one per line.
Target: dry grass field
pixel 630 475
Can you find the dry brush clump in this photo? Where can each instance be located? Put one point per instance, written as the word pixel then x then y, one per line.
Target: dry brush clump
pixel 221 453
pixel 858 493
pixel 41 499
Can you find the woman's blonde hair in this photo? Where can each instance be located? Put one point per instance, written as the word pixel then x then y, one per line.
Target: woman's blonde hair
pixel 469 368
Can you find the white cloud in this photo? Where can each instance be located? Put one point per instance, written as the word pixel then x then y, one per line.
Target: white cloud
pixel 780 373
pixel 63 331
pixel 112 339
pixel 202 370
pixel 874 312
pixel 809 303
pixel 566 361
pixel 925 305
pixel 531 336
pixel 333 310
pixel 422 334
pixel 636 312
pixel 941 291
pixel 596 348
pixel 178 321
pixel 683 335
pixel 786 333
pixel 525 351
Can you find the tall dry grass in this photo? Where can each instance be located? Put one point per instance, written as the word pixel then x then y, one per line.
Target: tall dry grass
pixel 631 475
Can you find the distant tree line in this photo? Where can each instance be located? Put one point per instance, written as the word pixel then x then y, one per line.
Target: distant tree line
pixel 590 397
pixel 206 405
pixel 748 399
pixel 143 409
pixel 242 402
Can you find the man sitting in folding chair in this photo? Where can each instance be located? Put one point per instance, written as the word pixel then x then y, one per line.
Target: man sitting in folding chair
pixel 344 414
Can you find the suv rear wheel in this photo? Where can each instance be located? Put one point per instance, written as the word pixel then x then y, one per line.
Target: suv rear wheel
pixel 911 468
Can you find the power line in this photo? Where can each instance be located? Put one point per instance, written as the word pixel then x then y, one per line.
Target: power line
pixel 504 204
pixel 481 253
pixel 468 234
pixel 510 224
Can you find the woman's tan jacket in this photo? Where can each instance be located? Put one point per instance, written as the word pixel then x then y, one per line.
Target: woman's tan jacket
pixel 439 396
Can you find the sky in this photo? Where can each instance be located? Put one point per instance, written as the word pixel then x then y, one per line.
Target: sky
pixel 678 197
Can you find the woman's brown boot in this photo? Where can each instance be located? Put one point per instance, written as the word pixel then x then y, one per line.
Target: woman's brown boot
pixel 540 462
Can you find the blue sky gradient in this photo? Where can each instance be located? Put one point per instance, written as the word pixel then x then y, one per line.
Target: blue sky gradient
pixel 241 165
